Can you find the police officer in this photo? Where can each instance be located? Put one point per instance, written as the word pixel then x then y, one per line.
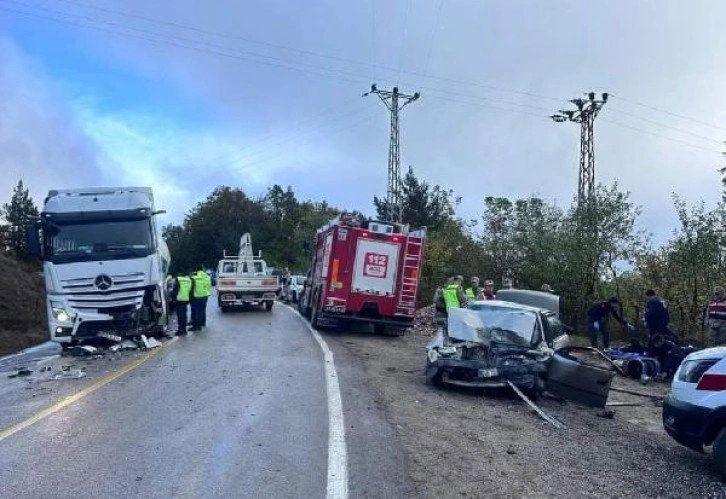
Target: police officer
pixel 202 283
pixel 473 291
pixel 180 296
pixel 453 294
pixel 716 318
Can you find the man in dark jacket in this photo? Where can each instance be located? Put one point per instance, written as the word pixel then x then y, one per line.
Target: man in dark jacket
pixel 597 320
pixel 656 314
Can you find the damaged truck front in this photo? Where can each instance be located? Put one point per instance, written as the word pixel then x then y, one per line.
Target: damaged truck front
pixel 104 263
pixel 491 343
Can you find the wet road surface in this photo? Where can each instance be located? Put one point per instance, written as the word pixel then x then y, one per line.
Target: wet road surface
pixel 237 410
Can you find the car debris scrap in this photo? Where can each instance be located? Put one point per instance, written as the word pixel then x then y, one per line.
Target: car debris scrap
pixel 21 373
pixel 536 409
pixel 496 344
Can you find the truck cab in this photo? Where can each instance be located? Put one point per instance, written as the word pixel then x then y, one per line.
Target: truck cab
pixel 104 263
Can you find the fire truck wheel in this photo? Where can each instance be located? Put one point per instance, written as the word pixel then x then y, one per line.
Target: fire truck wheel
pixel 314 322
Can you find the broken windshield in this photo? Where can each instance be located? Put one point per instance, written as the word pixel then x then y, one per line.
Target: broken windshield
pixel 486 323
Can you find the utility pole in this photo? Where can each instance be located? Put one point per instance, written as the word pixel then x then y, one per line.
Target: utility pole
pixel 394 101
pixel 585 114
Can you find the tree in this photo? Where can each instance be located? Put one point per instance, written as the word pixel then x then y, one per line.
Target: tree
pixel 18 214
pixel 423 205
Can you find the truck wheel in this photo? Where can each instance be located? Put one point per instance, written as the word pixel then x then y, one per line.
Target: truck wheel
pixel 314 315
pixel 269 304
pixel 294 297
pixel 379 329
pixel 719 452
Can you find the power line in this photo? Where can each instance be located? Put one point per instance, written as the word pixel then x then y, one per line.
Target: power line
pixel 403 43
pixel 373 38
pixel 684 117
pixel 342 75
pixel 433 38
pixel 665 137
pixel 222 50
pixel 367 117
pixel 658 123
pixel 303 51
pixel 253 155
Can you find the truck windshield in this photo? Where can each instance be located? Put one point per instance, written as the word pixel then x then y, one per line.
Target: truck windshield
pixel 109 240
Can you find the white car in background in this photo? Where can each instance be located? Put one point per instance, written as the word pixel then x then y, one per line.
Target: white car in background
pixel 694 412
pixel 297 282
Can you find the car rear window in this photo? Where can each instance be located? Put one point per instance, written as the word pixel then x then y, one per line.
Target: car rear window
pixel 692 370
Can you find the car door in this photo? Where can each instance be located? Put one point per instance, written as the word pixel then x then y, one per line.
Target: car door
pixel 580 374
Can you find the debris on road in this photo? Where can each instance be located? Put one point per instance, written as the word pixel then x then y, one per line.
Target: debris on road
pixel 606 413
pixel 638 394
pixel 85 350
pixel 109 336
pixel 21 372
pixel 128 345
pixel 623 404
pixel 149 343
pixel 539 411
pixel 68 373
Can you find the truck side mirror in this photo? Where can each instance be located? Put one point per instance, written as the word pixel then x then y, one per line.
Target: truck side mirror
pixel 32 235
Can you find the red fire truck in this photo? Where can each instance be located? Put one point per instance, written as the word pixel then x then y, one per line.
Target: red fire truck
pixel 366 271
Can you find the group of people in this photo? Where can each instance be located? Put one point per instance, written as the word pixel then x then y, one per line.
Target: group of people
pixel 454 295
pixel 189 290
pixel 656 319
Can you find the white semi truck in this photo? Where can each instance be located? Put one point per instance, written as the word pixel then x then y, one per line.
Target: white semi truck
pixel 104 263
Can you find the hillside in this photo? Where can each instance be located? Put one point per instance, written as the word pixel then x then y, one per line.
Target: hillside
pixel 22 307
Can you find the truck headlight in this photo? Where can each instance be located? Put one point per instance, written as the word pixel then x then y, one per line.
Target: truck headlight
pixel 60 314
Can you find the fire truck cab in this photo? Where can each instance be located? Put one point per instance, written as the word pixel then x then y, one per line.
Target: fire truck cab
pixel 365 271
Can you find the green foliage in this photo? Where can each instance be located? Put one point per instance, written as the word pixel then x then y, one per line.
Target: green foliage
pixel 280 225
pixel 17 214
pixel 423 205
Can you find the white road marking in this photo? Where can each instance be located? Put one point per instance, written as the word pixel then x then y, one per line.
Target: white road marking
pixel 337 451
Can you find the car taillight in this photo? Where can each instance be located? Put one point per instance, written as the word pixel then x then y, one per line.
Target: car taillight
pixel 712 382
pixel 692 370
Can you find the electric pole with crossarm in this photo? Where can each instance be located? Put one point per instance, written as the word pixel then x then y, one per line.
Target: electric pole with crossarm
pixel 394 101
pixel 585 114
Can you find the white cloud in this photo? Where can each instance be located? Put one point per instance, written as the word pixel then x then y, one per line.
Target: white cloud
pixel 40 140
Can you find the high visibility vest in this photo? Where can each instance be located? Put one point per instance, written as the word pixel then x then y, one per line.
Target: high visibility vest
pixel 470 293
pixel 202 284
pixel 185 285
pixel 451 296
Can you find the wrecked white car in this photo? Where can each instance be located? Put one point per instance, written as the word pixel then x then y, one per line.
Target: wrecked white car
pixel 490 343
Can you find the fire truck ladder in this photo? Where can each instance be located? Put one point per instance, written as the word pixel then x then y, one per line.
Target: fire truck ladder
pixel 409 282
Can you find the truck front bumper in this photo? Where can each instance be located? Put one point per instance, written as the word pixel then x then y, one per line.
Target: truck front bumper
pixel 71 325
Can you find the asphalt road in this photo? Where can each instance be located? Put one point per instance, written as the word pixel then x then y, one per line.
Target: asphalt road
pixel 237 410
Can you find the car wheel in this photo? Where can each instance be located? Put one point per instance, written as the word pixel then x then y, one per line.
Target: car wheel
pixel 434 375
pixel 294 297
pixel 719 452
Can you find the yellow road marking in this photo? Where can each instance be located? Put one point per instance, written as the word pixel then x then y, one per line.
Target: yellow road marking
pixel 48 411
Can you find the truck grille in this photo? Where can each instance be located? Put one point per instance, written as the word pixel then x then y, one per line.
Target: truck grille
pixel 126 291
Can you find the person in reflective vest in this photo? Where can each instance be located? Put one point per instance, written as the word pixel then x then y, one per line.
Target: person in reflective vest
pixel 202 284
pixel 180 296
pixel 473 291
pixel 453 294
pixel 716 318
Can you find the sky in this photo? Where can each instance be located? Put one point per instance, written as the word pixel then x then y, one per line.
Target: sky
pixel 183 97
